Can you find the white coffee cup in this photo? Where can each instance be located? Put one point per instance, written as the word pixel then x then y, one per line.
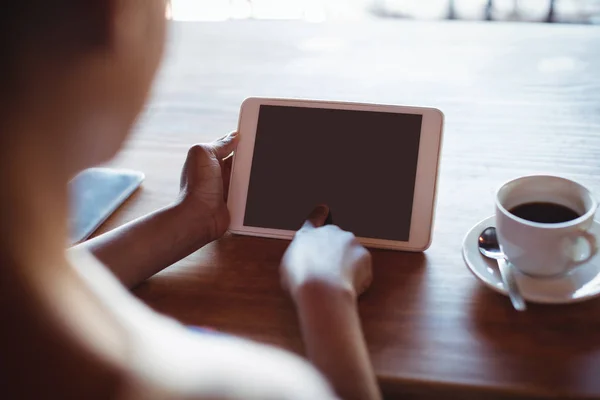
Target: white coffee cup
pixel 546 249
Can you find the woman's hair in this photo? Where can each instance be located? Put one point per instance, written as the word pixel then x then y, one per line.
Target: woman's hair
pixel 48 30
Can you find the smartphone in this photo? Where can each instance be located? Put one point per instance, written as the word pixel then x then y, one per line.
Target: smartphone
pixel 95 194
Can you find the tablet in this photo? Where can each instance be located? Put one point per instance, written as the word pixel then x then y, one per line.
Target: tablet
pixel 375 166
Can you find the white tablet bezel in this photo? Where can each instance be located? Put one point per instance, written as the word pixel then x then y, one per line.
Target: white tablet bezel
pixel 426 178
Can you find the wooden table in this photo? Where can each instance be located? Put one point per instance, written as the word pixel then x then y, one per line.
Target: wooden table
pixel 519 99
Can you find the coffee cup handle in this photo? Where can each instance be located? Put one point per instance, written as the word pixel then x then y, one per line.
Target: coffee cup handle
pixel 593 247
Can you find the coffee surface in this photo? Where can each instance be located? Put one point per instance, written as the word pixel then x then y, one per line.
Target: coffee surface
pixel 547 213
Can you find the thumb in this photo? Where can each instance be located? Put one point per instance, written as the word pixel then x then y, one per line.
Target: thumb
pixel 317 217
pixel 225 145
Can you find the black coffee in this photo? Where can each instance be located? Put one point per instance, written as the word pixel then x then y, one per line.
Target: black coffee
pixel 547 213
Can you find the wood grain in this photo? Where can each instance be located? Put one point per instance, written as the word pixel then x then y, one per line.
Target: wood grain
pixel 518 99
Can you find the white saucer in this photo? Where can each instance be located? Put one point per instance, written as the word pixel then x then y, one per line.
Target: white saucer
pixel 581 284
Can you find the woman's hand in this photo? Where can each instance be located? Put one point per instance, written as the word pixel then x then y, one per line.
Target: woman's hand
pixel 141 248
pixel 325 255
pixel 325 269
pixel 205 184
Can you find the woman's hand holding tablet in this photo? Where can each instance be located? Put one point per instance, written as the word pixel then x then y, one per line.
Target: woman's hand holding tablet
pixel 375 166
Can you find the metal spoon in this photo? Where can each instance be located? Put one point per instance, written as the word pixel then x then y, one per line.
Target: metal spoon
pixel 489 247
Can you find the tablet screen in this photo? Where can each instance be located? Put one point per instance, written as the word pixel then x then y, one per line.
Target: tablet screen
pixel 362 164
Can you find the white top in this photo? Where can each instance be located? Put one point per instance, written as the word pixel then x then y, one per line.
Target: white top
pixel 167 360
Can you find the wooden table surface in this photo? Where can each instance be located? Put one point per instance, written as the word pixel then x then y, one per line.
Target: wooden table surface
pixel 518 99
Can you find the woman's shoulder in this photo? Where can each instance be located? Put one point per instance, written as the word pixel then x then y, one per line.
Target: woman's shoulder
pixel 166 359
pixel 197 366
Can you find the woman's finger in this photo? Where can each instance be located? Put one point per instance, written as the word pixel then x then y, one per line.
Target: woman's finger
pixel 316 218
pixel 226 175
pixel 226 145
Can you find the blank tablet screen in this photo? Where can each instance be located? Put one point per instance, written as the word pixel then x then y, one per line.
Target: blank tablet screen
pixel 362 164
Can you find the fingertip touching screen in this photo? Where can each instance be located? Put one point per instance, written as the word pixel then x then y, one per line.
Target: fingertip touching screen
pixel 362 164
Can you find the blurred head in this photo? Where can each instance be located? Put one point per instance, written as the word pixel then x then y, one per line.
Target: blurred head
pixel 79 69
